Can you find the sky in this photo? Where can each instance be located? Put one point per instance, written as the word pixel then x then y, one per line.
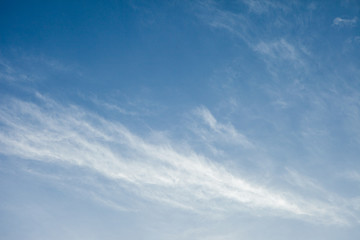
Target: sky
pixel 216 120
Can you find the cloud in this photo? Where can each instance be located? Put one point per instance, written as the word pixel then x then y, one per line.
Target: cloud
pixel 48 132
pixel 8 73
pixel 278 49
pixel 112 107
pixel 352 175
pixel 342 22
pixel 301 181
pixel 21 67
pixel 262 39
pixel 219 132
pixel 212 15
pixel 263 6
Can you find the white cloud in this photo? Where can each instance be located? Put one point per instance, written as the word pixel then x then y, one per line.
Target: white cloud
pixel 112 107
pixel 32 68
pixel 352 175
pixel 338 21
pixel 50 132
pixel 280 50
pixel 262 6
pixel 301 181
pixel 277 47
pixel 219 132
pixel 9 74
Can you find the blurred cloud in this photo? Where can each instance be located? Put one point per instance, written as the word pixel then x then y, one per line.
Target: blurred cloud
pixel 342 22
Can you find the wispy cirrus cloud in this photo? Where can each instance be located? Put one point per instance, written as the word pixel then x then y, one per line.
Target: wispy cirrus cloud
pixel 219 132
pixel 262 6
pixel 352 175
pixel 46 131
pixel 265 40
pixel 345 22
pixel 8 72
pixel 280 49
pixel 21 67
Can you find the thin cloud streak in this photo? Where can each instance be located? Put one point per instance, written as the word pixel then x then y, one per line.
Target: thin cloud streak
pixel 218 132
pixel 49 132
pixel 278 48
pixel 338 21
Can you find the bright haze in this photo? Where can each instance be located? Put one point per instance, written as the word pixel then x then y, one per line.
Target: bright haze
pixel 160 120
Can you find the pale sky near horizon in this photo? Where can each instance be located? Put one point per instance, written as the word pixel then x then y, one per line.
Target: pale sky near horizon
pixel 180 120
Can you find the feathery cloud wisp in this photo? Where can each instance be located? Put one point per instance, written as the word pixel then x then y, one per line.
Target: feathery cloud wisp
pixel 220 132
pixel 338 21
pixel 49 132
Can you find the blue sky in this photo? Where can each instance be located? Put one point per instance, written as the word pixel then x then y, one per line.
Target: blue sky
pixel 180 119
